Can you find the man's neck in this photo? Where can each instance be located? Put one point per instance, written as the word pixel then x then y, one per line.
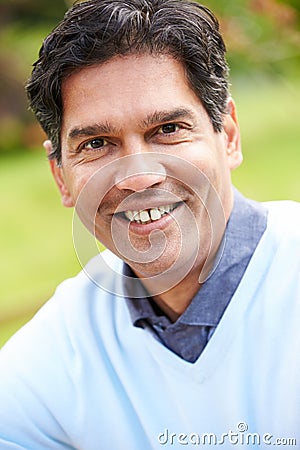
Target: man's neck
pixel 175 301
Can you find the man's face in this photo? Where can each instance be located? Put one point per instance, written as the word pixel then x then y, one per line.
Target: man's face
pixel 142 163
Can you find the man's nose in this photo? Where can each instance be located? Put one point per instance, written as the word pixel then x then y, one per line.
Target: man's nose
pixel 138 172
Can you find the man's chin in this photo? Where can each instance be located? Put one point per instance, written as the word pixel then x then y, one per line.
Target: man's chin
pixel 163 274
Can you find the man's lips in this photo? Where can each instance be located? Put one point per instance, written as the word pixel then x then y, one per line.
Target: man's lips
pixel 146 220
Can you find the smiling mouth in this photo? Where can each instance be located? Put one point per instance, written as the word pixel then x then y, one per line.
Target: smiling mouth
pixel 146 216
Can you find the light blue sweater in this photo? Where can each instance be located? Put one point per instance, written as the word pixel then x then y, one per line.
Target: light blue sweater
pixel 80 376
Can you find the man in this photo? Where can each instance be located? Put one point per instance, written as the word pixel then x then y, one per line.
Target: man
pixel 185 330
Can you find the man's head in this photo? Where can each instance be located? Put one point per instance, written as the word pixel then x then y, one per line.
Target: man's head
pixel 134 98
pixel 95 31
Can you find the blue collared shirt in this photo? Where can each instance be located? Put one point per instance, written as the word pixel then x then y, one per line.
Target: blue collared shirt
pixel 190 333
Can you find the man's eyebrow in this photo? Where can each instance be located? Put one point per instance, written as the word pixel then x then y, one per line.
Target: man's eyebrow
pixel 167 116
pixel 91 130
pixel 152 119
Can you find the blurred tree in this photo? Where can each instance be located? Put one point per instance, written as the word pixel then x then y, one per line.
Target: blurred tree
pixel 31 12
pixel 23 24
pixel 261 35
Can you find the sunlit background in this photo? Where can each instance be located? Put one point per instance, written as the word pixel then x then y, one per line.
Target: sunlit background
pixel 263 41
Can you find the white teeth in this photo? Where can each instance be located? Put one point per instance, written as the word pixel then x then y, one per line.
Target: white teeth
pixel 165 209
pixel 144 216
pixel 129 215
pixel 155 214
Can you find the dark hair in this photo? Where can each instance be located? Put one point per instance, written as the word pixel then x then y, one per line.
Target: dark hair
pixel 94 31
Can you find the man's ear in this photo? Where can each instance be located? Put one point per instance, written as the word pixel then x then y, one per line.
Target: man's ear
pixel 59 178
pixel 232 135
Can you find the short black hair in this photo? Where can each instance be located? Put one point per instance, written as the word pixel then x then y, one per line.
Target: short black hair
pixel 94 31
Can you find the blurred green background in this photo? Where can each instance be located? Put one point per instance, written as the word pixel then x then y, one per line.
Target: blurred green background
pixel 263 41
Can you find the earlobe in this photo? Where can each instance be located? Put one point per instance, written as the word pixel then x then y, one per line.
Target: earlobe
pixel 232 134
pixel 58 176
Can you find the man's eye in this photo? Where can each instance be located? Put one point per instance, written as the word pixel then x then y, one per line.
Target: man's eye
pixel 95 144
pixel 168 128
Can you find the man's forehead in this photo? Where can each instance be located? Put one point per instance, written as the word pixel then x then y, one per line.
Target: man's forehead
pixel 150 87
pixel 134 60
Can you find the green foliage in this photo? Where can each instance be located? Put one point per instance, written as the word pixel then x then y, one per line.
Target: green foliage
pixel 32 12
pixel 18 50
pixel 261 35
pixel 23 25
pixel 268 114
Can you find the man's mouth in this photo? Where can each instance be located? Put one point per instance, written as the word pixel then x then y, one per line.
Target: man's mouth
pixel 149 215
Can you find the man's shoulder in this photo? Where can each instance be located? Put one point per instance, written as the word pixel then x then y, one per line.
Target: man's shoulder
pixel 279 247
pixel 284 218
pixel 277 256
pixel 291 207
